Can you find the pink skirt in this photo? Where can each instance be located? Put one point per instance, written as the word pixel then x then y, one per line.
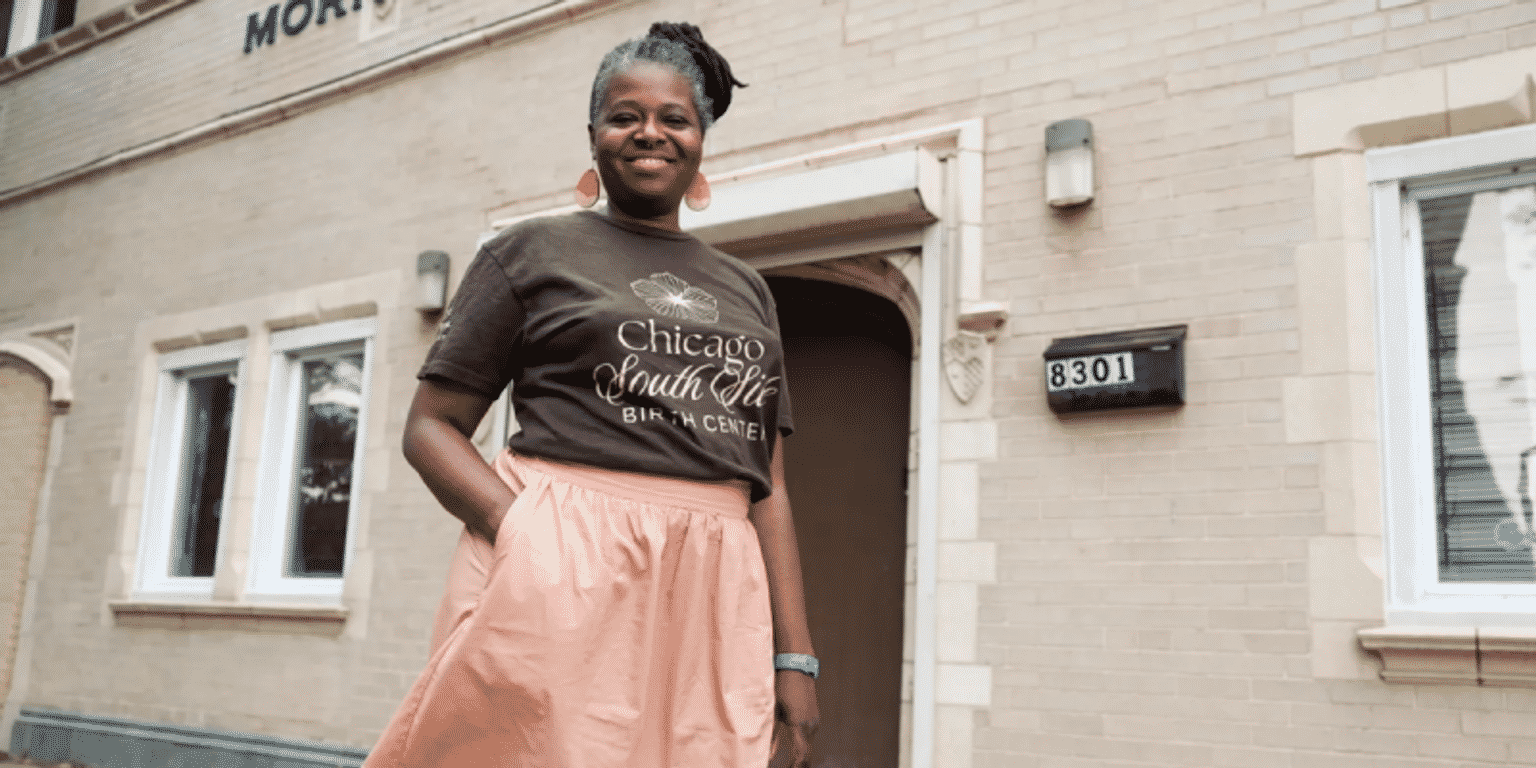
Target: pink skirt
pixel 621 620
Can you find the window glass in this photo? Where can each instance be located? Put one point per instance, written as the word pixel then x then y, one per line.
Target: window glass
pixel 331 399
pixel 1480 290
pixel 7 10
pixel 209 418
pixel 56 16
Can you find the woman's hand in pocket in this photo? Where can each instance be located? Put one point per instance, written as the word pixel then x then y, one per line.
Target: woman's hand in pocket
pixel 497 519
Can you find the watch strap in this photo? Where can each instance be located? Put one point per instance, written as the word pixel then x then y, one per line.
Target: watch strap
pixel 799 662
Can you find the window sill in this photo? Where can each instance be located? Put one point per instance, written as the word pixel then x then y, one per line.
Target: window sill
pixel 1454 655
pixel 281 618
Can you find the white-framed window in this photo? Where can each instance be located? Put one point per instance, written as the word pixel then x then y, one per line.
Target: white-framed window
pixel 24 22
pixel 311 460
pixel 188 488
pixel 1454 245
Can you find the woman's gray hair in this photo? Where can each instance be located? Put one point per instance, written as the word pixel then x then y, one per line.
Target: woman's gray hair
pixel 681 47
pixel 660 51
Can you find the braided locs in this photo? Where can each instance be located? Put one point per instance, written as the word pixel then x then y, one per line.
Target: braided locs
pixel 682 47
pixel 716 71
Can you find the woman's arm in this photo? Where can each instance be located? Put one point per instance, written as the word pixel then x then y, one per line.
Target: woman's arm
pixel 436 443
pixel 796 691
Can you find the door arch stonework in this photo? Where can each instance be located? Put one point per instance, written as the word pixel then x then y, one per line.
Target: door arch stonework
pixel 872 273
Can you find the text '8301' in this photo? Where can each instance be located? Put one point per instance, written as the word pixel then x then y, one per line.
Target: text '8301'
pixel 1090 371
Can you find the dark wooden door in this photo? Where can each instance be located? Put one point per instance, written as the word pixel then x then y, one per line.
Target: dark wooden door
pixel 848 354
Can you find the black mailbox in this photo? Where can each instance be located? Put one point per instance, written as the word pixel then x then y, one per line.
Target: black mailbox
pixel 1128 369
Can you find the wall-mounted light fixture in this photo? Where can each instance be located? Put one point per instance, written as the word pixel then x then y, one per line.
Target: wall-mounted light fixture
pixel 1068 163
pixel 985 318
pixel 431 281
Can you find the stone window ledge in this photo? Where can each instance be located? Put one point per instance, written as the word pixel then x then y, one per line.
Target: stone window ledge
pixel 283 618
pixel 1454 655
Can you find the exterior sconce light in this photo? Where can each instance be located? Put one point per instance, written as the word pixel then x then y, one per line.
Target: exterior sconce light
pixel 984 318
pixel 1068 163
pixel 431 281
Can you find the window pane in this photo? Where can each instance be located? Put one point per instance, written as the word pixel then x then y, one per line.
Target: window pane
pixel 63 15
pixel 57 15
pixel 327 434
pixel 204 457
pixel 7 8
pixel 1480 274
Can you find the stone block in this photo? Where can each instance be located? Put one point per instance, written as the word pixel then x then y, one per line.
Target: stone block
pixel 959 484
pixel 1490 91
pixel 1384 110
pixel 966 684
pixel 1444 655
pixel 968 561
pixel 1341 585
pixel 1507 656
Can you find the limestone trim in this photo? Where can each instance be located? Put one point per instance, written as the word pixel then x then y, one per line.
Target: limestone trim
pixel 876 273
pixel 766 213
pixel 1432 102
pixel 60 384
pixel 1454 655
pixel 201 339
pixel 309 99
pixel 223 609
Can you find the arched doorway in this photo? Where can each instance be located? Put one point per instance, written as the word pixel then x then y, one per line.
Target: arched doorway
pixel 849 359
pixel 26 416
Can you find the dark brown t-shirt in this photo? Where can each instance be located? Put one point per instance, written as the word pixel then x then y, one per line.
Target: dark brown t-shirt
pixel 628 348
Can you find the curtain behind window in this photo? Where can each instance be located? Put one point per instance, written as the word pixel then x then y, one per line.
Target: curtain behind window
pixel 1480 287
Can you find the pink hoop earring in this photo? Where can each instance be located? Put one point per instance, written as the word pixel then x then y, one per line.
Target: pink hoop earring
pixel 698 195
pixel 587 189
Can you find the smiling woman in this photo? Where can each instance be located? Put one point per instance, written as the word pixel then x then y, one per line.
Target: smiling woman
pixel 647 142
pixel 641 122
pixel 627 591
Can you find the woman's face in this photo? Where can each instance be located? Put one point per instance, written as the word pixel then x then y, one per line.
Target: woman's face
pixel 647 141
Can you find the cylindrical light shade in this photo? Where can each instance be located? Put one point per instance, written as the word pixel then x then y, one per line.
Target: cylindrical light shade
pixel 431 281
pixel 1068 163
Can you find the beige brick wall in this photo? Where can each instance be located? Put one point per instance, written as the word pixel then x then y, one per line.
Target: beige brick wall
pixel 1152 603
pixel 25 419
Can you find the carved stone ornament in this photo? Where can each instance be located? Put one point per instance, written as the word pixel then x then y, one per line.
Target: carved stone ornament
pixel 64 337
pixel 964 364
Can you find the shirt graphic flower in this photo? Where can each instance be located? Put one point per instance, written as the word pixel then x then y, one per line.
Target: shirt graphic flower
pixel 671 296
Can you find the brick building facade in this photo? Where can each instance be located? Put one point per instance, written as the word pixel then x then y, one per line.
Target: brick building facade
pixel 204 204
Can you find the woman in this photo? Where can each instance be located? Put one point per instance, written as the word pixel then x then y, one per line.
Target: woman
pixel 627 591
